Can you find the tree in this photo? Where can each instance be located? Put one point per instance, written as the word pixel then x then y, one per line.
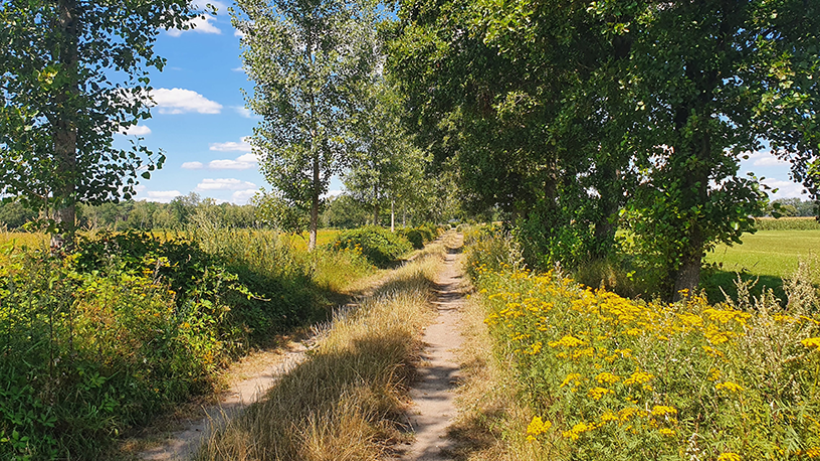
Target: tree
pixel 307 59
pixel 387 166
pixel 62 102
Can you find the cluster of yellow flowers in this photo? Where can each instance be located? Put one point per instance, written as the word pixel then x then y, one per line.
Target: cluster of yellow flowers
pixel 687 379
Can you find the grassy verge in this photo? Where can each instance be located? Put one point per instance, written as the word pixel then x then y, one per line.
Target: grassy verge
pixel 605 377
pixel 347 401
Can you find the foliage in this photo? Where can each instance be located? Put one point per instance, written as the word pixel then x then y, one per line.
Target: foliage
pixel 274 210
pixel 380 246
pixel 105 338
pixel 419 236
pixel 62 102
pixel 612 378
pixel 566 113
pixel 344 212
pixel 307 60
pixel 387 167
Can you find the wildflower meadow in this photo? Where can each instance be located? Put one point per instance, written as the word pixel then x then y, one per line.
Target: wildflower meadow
pixel 614 378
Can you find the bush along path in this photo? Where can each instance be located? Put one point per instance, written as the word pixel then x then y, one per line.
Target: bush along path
pixel 348 399
pixel 433 393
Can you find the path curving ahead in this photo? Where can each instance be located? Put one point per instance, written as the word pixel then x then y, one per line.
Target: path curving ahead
pixel 433 394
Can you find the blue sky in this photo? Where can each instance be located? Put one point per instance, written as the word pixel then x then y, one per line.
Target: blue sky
pixel 200 121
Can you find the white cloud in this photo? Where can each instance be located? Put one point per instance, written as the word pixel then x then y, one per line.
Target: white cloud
pixel 162 196
pixel 224 184
pixel 200 25
pixel 180 101
pixel 238 33
pixel 229 165
pixel 137 130
pixel 249 158
pixel 766 158
pixel 238 69
pixel 785 189
pixel 193 165
pixel 202 4
pixel 243 111
pixel 242 146
pixel 241 197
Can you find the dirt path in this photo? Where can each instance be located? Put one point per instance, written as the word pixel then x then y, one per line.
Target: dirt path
pixel 265 370
pixel 434 393
pixel 250 380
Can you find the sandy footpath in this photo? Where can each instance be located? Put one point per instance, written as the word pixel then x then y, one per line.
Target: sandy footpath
pixel 433 394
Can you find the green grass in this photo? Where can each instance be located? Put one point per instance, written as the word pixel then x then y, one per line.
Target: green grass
pixel 769 255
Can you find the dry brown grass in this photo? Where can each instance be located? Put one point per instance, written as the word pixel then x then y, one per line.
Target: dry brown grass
pixel 492 421
pixel 347 401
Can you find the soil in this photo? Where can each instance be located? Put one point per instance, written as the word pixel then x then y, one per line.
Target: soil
pixel 434 392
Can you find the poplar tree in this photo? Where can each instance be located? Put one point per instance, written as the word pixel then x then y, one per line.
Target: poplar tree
pixel 72 74
pixel 308 59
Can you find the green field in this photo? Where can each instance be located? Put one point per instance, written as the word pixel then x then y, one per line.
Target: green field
pixel 770 255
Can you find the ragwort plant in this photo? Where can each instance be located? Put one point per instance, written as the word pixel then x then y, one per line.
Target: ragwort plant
pixel 614 378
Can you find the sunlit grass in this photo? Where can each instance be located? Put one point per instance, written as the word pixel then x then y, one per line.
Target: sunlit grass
pixel 323 237
pixel 772 253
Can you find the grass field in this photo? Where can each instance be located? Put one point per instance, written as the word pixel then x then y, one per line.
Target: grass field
pixel 323 237
pixel 770 255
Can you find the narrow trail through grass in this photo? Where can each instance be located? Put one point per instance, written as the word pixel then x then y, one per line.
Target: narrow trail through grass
pixel 348 399
pixel 248 381
pixel 433 393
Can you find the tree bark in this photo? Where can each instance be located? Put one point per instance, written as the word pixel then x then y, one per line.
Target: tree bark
pixel 65 131
pixel 314 205
pixel 392 216
pixel 376 205
pixel 610 202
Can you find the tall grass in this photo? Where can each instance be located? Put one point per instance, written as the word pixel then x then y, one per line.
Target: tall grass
pixel 347 401
pixel 107 338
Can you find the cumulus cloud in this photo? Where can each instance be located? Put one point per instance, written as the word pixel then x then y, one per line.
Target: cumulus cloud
pixel 200 25
pixel 193 165
pixel 785 189
pixel 241 197
pixel 137 130
pixel 332 193
pixel 181 101
pixel 766 158
pixel 238 33
pixel 242 146
pixel 162 196
pixel 208 184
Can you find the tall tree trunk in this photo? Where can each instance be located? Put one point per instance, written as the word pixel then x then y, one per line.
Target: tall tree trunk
pixel 314 205
pixel 376 205
pixel 392 215
pixel 65 130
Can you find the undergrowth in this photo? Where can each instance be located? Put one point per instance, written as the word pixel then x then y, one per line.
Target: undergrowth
pixel 98 341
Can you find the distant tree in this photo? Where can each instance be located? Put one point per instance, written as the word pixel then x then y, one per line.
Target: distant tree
pixel 307 59
pixel 182 208
pixel 275 210
pixel 344 212
pixel 387 167
pixel 62 102
pixel 13 215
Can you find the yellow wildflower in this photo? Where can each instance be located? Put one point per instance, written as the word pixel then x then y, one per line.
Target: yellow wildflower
pixel 811 342
pixel 660 410
pixel 597 392
pixel 667 432
pixel 729 386
pixel 607 378
pixel 729 457
pixel 567 341
pixel 570 378
pixel 537 427
pixel 639 377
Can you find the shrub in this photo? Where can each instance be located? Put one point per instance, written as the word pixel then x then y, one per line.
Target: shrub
pixel 380 246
